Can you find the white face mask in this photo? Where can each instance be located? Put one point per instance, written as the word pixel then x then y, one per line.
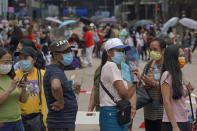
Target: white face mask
pixel 5 68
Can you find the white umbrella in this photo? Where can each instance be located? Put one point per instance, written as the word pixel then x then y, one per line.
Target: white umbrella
pixel 190 23
pixel 170 23
pixel 53 20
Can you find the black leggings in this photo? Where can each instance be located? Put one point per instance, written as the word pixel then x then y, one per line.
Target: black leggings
pixel 153 125
pixel 183 126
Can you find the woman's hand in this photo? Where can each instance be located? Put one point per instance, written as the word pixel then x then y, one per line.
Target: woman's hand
pixel 148 80
pixel 133 112
pixel 14 84
pixel 135 71
pixel 22 84
pixel 189 86
pixel 176 128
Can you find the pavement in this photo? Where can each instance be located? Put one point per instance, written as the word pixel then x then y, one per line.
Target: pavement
pixel 86 75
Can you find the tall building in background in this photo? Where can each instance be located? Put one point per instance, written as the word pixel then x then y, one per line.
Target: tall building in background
pixel 3 8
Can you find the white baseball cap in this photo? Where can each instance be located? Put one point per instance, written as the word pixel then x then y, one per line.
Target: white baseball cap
pixel 91 24
pixel 115 43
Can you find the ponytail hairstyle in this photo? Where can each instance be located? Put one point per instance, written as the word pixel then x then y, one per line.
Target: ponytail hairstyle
pixel 4 51
pixel 40 62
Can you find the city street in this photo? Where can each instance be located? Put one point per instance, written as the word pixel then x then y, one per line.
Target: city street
pixel 86 77
pixel 51 49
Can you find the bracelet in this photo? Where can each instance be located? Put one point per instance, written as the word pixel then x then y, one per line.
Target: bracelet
pixel 134 108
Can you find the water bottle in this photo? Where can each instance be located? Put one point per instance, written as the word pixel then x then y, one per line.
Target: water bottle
pixel 156 73
pixel 133 65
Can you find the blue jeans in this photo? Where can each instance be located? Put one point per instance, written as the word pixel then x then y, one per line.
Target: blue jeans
pixel 13 126
pixel 108 119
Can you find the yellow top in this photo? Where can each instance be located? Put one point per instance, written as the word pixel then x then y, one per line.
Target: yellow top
pixel 32 104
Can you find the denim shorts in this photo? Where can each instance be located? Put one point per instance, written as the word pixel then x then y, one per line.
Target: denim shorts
pixel 12 126
pixel 108 119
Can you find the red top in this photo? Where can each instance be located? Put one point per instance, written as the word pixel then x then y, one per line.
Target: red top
pixel 88 37
pixel 31 37
pixel 101 38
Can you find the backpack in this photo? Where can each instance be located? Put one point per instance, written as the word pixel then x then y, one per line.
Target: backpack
pixel 97 76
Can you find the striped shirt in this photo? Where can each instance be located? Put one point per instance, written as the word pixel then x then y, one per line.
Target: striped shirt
pixel 154 110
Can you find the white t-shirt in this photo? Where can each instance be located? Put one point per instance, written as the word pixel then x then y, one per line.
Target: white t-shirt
pixel 129 41
pixel 109 74
pixel 140 42
pixel 47 58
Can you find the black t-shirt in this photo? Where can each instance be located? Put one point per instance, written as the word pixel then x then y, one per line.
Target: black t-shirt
pixel 66 117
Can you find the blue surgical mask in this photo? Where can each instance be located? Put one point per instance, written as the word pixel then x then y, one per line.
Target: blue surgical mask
pixel 67 59
pixel 118 57
pixel 25 65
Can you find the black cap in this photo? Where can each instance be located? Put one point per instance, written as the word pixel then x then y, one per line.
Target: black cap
pixel 27 51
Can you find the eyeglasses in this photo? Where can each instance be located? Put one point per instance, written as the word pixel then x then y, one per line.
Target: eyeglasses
pixel 7 62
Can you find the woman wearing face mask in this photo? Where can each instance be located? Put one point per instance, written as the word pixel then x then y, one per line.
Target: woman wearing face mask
pixel 153 112
pixel 29 43
pixel 11 91
pixel 113 81
pixel 174 90
pixel 34 110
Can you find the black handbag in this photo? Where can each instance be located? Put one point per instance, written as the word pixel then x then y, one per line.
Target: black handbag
pixel 33 122
pixel 123 108
pixel 143 98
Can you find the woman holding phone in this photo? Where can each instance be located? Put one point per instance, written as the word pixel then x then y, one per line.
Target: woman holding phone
pixel 34 111
pixel 11 91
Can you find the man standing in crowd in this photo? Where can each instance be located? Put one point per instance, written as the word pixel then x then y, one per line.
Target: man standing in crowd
pixel 61 101
pixel 89 44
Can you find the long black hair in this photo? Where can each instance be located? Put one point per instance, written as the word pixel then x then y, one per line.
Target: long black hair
pixel 104 58
pixel 171 64
pixel 4 51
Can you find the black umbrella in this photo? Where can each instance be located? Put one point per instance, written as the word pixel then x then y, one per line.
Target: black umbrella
pixel 85 20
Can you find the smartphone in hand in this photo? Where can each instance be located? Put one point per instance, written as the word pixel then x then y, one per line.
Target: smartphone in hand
pixel 24 78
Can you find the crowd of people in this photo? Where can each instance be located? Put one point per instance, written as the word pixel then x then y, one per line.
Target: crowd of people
pixel 36 95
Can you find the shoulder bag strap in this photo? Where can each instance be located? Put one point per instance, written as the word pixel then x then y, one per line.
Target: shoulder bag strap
pixel 190 102
pixel 40 85
pixel 107 92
